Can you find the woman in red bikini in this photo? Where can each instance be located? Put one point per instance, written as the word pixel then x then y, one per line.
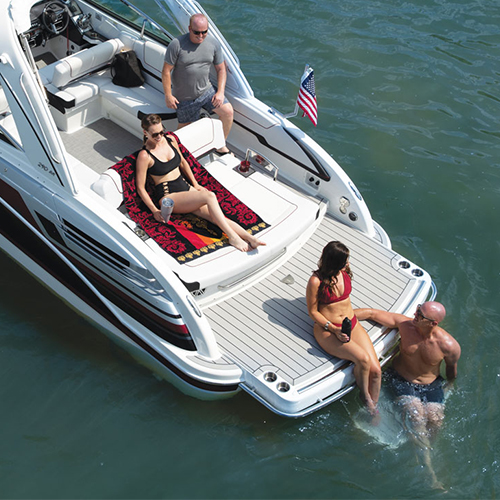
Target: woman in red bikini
pixel 161 159
pixel 328 303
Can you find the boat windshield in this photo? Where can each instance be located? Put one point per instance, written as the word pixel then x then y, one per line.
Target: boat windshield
pixel 146 18
pixel 161 19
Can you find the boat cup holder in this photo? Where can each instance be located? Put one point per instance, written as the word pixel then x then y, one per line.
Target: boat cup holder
pixel 283 387
pixel 404 264
pixel 270 377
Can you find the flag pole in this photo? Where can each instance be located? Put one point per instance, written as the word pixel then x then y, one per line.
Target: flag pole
pixel 296 111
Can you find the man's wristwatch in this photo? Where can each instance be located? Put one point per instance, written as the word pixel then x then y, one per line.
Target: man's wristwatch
pixel 326 325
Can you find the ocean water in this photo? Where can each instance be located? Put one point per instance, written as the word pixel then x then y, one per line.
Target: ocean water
pixel 409 105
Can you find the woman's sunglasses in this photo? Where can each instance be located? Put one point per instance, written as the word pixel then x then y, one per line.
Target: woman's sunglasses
pixel 156 134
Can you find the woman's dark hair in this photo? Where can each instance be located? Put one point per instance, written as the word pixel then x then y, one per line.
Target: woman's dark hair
pixel 147 121
pixel 333 259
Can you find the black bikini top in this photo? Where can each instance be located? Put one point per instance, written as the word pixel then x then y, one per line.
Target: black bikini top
pixel 164 167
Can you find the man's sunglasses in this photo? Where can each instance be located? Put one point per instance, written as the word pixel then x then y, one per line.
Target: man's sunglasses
pixel 420 314
pixel 197 33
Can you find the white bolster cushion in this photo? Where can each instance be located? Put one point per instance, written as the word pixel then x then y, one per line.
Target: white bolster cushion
pixel 76 65
pixel 109 187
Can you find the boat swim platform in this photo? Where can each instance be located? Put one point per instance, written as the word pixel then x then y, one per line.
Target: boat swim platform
pixel 267 327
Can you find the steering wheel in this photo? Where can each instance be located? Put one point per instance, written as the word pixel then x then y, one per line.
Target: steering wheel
pixel 55 17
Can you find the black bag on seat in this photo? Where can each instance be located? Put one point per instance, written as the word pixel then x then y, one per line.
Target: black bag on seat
pixel 126 69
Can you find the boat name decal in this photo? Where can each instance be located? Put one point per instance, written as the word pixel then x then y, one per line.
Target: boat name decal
pixel 45 168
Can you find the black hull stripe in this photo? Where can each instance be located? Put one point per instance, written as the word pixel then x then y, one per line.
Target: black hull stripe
pixel 33 247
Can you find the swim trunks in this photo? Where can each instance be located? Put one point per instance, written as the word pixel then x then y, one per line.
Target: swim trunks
pixel 189 111
pixel 427 393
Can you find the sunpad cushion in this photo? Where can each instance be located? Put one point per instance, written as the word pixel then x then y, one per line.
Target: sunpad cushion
pixel 186 237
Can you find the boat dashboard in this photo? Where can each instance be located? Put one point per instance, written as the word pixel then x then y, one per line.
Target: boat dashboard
pixel 51 18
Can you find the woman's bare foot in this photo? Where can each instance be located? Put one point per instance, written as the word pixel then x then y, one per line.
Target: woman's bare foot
pixel 238 243
pixel 254 241
pixel 371 406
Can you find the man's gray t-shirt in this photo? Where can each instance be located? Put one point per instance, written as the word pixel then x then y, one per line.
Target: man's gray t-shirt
pixel 192 63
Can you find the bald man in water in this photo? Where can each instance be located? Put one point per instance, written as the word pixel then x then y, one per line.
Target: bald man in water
pixel 414 376
pixel 415 373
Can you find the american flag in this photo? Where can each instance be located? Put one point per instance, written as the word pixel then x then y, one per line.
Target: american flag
pixel 306 99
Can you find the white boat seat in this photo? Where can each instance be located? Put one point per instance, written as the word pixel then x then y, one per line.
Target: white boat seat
pixel 84 62
pixel 151 54
pixel 123 104
pixel 199 137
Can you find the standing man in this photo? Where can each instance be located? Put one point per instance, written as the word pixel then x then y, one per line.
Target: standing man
pixel 414 376
pixel 185 76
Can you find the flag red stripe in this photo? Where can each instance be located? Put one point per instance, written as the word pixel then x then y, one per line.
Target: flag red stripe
pixel 306 99
pixel 310 105
pixel 308 102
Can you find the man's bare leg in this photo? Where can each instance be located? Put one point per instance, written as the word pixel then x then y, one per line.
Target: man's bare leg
pixel 417 414
pixel 225 113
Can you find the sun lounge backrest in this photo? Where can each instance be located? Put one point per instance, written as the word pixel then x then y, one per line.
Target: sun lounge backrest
pixel 76 65
pixel 202 136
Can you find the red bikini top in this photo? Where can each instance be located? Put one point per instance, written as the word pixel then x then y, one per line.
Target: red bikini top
pixel 328 297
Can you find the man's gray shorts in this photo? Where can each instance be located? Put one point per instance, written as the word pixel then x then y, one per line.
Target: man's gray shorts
pixel 189 111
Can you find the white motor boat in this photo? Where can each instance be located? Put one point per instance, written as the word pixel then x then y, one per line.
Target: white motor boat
pixel 215 319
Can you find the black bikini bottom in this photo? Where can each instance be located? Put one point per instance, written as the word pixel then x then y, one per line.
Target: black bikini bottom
pixel 165 188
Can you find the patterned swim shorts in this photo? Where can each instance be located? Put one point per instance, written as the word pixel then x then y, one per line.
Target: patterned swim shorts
pixel 189 111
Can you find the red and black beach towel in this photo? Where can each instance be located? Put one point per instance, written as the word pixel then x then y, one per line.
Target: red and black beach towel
pixel 186 236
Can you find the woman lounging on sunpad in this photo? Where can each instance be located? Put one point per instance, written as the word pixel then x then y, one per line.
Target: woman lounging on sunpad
pixel 161 158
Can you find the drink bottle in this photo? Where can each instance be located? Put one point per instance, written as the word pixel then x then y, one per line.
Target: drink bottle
pixel 167 205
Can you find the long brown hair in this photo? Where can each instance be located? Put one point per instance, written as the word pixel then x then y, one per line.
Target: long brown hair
pixel 333 260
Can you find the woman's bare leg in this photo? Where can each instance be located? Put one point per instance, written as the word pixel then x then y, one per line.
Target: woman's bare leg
pixel 205 204
pixel 244 235
pixel 362 338
pixel 350 351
